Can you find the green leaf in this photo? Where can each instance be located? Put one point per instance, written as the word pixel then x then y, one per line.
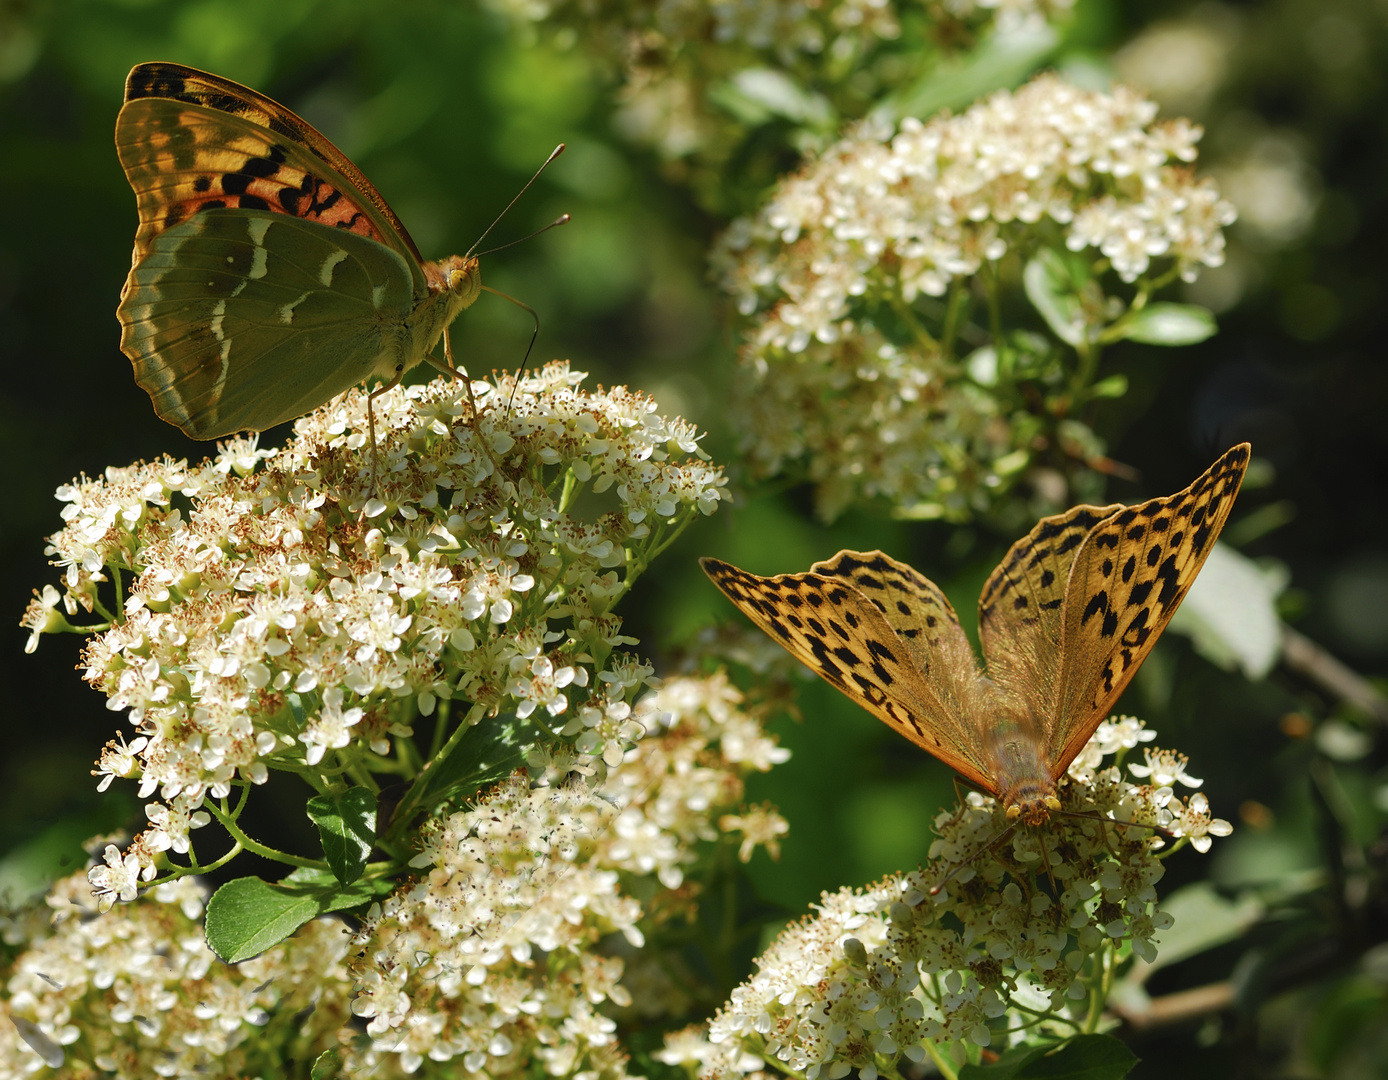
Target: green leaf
pixel 247 916
pixel 1230 613
pixel 346 823
pixel 486 753
pixel 1052 290
pixel 755 95
pixel 1204 920
pixel 327 1065
pixel 1115 386
pixel 1001 59
pixel 1169 324
pixel 1085 1057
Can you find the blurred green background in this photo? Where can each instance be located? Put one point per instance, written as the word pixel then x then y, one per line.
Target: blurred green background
pixel 449 108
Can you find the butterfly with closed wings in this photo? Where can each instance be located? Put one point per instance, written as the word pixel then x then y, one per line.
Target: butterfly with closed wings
pixel 268 274
pixel 1065 621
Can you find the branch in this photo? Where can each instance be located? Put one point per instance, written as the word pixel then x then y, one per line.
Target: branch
pixel 1305 657
pixel 1179 1007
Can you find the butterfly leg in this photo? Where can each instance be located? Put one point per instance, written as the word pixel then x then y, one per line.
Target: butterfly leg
pixel 449 367
pixel 371 418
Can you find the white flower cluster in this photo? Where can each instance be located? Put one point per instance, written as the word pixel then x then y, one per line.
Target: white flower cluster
pixel 839 272
pixel 975 947
pixel 906 214
pixel 137 993
pixel 302 614
pixel 491 958
pixel 801 59
pixel 501 955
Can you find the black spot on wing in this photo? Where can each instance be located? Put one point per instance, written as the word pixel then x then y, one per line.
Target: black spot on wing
pixel 1170 577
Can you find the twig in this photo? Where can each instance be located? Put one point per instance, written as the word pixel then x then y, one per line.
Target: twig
pixel 1305 657
pixel 1179 1007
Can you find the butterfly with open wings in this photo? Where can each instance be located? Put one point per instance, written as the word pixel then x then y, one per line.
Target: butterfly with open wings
pixel 1065 621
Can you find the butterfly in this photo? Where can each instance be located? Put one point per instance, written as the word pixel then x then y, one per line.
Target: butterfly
pixel 1065 621
pixel 268 274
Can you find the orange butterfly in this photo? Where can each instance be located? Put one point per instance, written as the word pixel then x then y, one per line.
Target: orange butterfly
pixel 1065 621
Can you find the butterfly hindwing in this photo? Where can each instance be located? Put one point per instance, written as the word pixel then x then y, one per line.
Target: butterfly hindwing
pixel 245 319
pixel 1128 578
pixel 882 634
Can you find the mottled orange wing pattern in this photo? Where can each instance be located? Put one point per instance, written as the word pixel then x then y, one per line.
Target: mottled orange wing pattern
pixel 191 141
pixel 1065 621
pixel 1128 578
pixel 1021 609
pixel 881 633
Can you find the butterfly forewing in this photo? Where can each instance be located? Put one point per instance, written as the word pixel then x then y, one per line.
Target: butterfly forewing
pixel 176 82
pixel 1128 578
pixel 1021 610
pixel 190 138
pixel 881 633
pixel 181 159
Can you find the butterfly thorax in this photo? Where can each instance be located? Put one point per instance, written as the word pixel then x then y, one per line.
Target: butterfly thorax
pixel 1024 784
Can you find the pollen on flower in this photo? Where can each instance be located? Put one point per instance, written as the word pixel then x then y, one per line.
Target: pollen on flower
pixel 138 993
pixel 303 608
pixel 516 945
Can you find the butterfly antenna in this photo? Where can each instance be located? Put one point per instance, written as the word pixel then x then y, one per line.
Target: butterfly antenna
pixel 556 152
pixel 562 219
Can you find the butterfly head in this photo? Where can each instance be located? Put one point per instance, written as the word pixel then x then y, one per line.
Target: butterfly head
pixel 458 275
pixel 1032 804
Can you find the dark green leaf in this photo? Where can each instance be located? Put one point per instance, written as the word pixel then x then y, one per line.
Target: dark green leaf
pixel 1052 290
pixel 247 916
pixel 486 753
pixel 346 823
pixel 997 60
pixel 1085 1057
pixel 1170 324
pixel 327 1065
